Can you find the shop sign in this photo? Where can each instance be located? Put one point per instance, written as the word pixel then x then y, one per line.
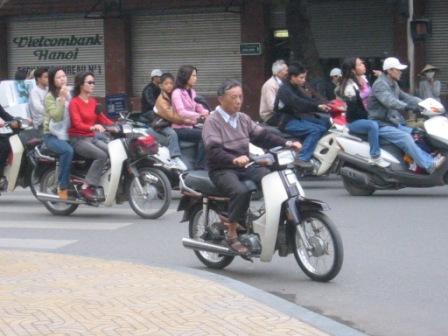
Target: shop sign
pixel 250 49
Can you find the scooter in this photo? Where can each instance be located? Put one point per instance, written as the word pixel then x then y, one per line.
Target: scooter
pixel 286 221
pixel 134 174
pixel 18 170
pixel 362 179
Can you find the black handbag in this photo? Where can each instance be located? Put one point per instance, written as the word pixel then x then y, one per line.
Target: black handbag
pixel 159 123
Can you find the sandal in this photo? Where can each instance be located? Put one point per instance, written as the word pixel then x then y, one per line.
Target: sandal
pixel 237 246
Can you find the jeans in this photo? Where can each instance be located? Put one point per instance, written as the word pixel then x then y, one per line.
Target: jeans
pixel 92 148
pixel 65 152
pixel 371 128
pixel 173 141
pixel 401 137
pixel 194 135
pixel 229 182
pixel 313 132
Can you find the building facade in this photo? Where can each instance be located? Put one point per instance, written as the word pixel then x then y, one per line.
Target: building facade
pixel 122 41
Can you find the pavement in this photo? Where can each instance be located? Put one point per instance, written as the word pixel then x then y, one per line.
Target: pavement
pixel 53 294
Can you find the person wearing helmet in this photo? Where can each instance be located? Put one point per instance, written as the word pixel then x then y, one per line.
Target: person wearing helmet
pixel 385 105
pixel 151 91
pixel 429 87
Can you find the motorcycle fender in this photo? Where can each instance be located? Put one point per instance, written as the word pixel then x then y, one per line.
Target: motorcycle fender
pixel 12 170
pixel 307 204
pixel 111 180
pixel 267 225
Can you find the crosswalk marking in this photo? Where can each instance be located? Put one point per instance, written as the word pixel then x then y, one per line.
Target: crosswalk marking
pixel 42 244
pixel 86 225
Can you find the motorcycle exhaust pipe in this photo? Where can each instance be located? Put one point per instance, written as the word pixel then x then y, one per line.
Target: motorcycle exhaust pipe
pixel 194 244
pixel 54 198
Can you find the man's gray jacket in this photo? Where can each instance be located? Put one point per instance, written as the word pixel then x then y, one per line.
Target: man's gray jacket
pixel 387 101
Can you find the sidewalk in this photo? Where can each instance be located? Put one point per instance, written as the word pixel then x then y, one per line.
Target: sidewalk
pixel 50 294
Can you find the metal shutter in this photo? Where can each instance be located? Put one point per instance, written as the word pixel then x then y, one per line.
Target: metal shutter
pixel 348 28
pixel 437 43
pixel 208 41
pixel 54 31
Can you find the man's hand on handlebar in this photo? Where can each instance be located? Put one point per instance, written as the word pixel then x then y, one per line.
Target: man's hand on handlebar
pixel 241 161
pixel 324 108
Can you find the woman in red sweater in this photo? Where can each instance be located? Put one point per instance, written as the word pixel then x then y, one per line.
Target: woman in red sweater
pixel 85 122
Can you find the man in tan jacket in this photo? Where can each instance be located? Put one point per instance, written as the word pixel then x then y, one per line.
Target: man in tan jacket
pixel 270 89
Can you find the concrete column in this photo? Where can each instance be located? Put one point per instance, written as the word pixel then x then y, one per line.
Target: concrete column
pixel 117 55
pixel 253 29
pixel 3 50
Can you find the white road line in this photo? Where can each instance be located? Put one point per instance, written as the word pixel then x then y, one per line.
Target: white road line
pixel 84 225
pixel 44 244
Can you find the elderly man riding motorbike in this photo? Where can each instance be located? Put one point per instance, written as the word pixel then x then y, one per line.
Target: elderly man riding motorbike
pixel 227 133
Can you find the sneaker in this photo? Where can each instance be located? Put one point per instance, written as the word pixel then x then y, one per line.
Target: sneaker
pixel 63 194
pixel 438 161
pixel 380 162
pixel 179 164
pixel 3 183
pixel 89 194
pixel 306 165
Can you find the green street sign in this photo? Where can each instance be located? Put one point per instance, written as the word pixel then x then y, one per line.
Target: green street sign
pixel 250 49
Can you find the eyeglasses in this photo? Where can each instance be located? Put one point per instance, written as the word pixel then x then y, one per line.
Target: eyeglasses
pixel 90 82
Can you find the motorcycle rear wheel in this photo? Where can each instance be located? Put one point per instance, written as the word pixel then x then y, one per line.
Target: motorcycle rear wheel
pixel 157 195
pixel 197 229
pixel 323 261
pixel 49 185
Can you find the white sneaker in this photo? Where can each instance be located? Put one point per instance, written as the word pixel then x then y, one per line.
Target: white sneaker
pixel 380 162
pixel 438 161
pixel 180 164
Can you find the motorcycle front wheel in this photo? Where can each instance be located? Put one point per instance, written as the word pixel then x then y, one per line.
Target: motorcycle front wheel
pixel 49 185
pixel 197 230
pixel 321 256
pixel 154 198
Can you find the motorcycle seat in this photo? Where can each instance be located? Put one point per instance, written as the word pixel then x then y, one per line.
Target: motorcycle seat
pixel 199 180
pixel 44 150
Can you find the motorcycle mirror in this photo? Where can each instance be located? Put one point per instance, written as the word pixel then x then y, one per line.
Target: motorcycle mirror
pixel 201 100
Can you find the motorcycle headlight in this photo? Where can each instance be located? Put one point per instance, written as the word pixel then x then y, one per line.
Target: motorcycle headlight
pixel 285 157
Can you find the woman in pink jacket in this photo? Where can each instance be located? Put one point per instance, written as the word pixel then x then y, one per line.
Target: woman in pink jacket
pixel 193 113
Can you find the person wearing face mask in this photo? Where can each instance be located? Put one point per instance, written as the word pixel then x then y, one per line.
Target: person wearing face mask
pixel 429 87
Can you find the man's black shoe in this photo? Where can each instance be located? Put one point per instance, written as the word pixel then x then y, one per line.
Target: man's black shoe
pixel 3 183
pixel 306 165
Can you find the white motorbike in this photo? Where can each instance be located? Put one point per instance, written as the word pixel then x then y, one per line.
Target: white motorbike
pixel 286 221
pixel 135 174
pixel 361 178
pixel 18 169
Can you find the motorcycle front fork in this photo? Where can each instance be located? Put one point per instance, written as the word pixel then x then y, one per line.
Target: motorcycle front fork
pixel 294 218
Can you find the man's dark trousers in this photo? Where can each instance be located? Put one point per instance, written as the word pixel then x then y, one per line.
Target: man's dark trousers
pixel 230 183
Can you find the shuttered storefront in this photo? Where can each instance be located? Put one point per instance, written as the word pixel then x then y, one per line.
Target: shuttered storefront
pixel 209 41
pixel 437 43
pixel 348 27
pixel 75 43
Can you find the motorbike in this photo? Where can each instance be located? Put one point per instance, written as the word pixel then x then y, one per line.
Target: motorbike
pixel 135 173
pixel 362 179
pixel 286 221
pixel 18 169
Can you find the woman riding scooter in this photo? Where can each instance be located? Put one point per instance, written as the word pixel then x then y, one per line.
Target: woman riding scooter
pixel 85 121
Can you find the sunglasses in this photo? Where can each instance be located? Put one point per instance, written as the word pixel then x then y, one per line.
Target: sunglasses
pixel 90 83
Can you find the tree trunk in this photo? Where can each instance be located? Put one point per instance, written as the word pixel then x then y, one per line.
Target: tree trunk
pixel 303 47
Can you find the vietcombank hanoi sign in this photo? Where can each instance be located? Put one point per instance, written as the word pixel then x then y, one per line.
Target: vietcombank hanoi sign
pixel 41 46
pixel 74 44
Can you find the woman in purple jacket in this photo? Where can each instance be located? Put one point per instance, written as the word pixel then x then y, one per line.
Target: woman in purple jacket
pixel 183 103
